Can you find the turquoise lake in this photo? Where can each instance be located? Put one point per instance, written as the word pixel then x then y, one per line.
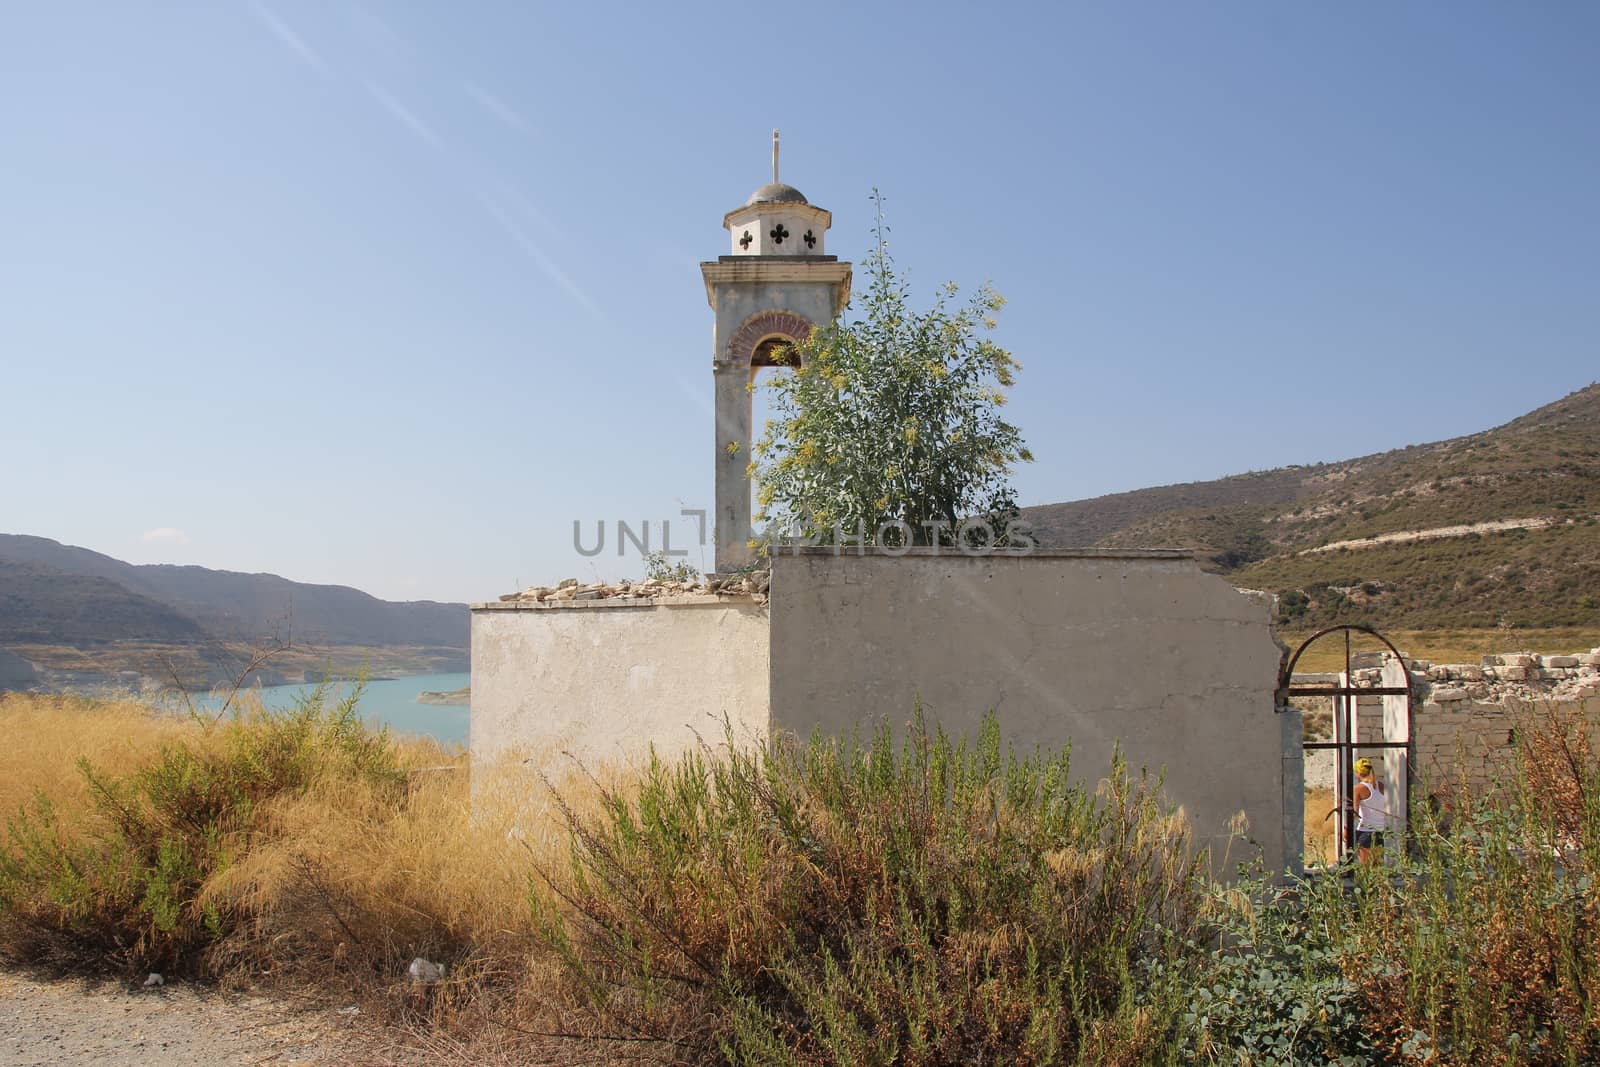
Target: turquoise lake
pixel 392 702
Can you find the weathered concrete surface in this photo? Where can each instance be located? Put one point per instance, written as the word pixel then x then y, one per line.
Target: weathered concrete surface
pixel 605 679
pixel 1096 648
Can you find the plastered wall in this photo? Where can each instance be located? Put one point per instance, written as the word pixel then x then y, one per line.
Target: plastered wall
pixel 605 679
pixel 1098 648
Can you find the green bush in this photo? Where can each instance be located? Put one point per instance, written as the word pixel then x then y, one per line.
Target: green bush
pixel 120 889
pixel 832 903
pixel 658 566
pixel 1274 989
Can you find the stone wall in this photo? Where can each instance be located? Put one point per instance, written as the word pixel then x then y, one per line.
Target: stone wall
pixel 1140 650
pixel 1513 675
pixel 1474 743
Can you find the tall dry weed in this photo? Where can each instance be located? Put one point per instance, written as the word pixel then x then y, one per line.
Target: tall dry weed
pixel 298 852
pixel 1484 946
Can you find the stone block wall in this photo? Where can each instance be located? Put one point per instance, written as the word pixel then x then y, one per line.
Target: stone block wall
pixel 1474 743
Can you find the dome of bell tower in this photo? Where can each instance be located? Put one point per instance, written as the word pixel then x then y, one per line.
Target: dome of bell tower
pixel 776 193
pixel 777 220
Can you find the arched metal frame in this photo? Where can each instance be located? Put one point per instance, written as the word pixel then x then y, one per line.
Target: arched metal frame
pixel 1344 703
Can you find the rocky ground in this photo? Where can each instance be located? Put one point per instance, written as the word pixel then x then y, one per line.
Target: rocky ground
pixel 73 1023
pixel 754 586
pixel 1516 675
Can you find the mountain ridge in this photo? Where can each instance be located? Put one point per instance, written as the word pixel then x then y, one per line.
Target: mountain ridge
pixel 1280 529
pixel 41 578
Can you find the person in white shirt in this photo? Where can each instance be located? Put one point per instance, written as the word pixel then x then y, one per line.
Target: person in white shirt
pixel 1372 813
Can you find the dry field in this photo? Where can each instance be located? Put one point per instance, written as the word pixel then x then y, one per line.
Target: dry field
pixel 1321 834
pixel 1443 646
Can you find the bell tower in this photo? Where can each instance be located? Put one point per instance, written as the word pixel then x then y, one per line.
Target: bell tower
pixel 775 284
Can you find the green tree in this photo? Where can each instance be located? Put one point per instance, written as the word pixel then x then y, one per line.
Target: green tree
pixel 889 428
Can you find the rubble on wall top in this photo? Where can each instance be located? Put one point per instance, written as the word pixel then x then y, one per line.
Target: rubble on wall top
pixel 1515 675
pixel 753 586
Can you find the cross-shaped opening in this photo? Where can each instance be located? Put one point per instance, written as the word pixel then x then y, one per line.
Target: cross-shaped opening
pixel 778 233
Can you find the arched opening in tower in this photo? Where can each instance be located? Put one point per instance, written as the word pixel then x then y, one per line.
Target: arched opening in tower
pixel 771 357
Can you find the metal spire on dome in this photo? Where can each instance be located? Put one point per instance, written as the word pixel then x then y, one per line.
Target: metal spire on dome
pixel 775 192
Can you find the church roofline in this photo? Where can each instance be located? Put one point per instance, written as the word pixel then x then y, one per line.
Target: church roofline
pixel 798 257
pixel 759 269
pixel 745 212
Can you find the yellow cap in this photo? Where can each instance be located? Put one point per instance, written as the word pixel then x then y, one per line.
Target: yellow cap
pixel 1363 766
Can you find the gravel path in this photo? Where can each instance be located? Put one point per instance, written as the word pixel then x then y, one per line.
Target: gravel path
pixel 67 1024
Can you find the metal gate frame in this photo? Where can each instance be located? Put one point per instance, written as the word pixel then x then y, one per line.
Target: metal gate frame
pixel 1344 703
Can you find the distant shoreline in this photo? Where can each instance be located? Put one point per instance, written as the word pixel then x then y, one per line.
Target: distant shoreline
pixel 462 696
pixel 151 666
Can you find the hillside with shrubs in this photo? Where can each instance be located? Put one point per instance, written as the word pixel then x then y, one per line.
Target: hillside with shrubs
pixel 1531 488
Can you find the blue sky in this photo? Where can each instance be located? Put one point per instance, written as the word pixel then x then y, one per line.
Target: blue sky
pixel 390 294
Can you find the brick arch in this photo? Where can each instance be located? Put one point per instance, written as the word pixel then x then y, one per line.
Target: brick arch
pixel 764 326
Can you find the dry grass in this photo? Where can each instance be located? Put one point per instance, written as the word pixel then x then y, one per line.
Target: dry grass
pixel 345 889
pixel 437 842
pixel 447 875
pixel 45 736
pixel 340 885
pixel 1321 834
pixel 1444 646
